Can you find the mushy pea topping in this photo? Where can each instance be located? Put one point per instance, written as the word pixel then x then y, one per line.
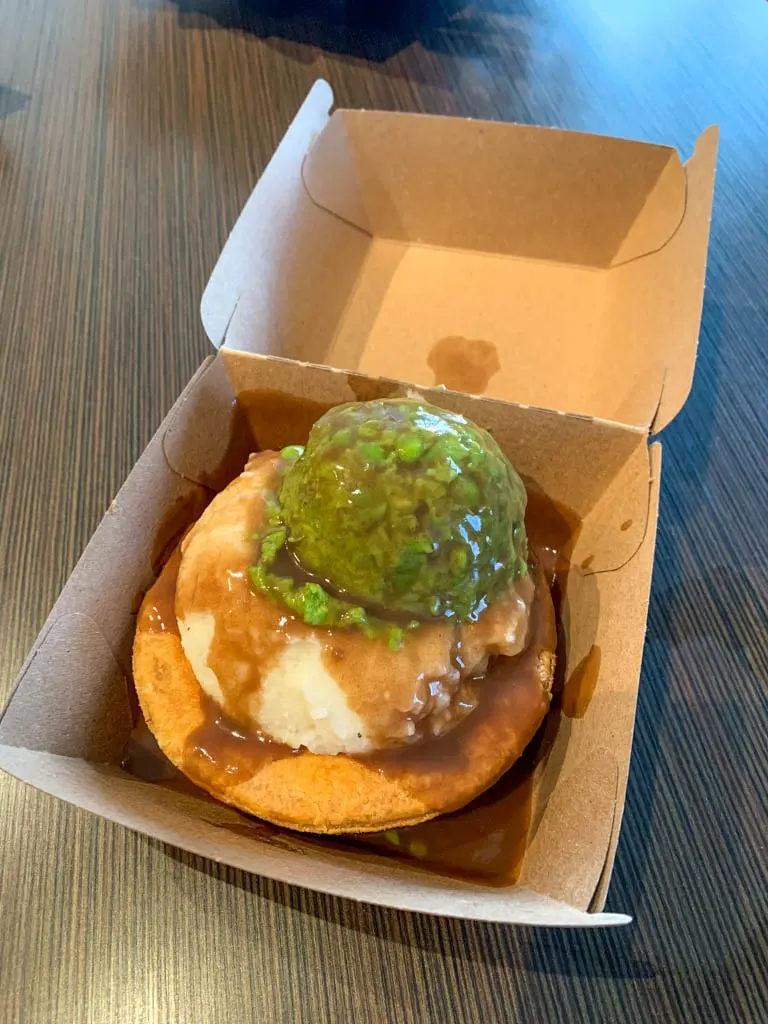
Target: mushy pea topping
pixel 395 508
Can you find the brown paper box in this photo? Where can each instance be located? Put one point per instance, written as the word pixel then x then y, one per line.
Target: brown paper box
pixel 568 271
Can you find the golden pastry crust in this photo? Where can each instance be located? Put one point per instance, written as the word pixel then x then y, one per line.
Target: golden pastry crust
pixel 341 794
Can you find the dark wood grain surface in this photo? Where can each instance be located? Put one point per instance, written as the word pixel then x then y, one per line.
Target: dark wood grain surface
pixel 131 132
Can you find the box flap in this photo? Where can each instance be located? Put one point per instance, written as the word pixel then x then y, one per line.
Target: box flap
pixel 546 267
pixel 628 639
pixel 123 556
pixel 509 189
pixel 689 246
pixel 91 716
pixel 566 206
pixel 590 789
pixel 201 827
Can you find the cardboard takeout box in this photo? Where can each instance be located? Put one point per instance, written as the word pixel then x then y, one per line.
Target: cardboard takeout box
pixel 560 274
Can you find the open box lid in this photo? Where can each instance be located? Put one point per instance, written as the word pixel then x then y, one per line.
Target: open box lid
pixel 572 265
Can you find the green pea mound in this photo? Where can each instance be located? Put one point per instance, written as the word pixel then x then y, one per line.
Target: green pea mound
pixel 399 506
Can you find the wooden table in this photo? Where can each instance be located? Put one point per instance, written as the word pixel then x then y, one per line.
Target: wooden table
pixel 131 132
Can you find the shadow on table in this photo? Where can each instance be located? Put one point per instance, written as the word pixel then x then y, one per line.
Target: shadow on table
pixel 686 867
pixel 604 954
pixel 673 597
pixel 11 100
pixel 454 952
pixel 369 30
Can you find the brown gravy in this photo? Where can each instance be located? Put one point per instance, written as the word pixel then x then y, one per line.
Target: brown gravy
pixel 275 419
pixel 178 517
pixel 510 693
pixel 552 530
pixel 486 840
pixel 158 613
pixel 221 747
pixel 367 389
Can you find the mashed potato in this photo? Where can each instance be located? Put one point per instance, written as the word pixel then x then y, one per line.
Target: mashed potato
pixel 328 689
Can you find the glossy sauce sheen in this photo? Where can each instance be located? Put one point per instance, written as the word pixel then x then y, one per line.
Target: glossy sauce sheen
pixel 158 615
pixel 221 746
pixel 487 838
pixel 502 698
pixel 401 696
pixel 158 611
pixel 226 741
